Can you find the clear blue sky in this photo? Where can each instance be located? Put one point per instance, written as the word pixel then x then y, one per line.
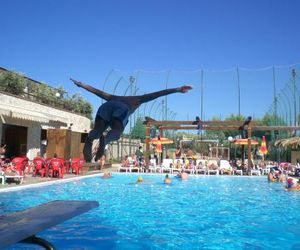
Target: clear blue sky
pixel 52 40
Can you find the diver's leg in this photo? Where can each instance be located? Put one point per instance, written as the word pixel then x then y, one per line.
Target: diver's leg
pixel 113 135
pixel 95 133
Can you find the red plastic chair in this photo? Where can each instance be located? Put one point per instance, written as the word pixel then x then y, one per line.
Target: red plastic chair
pixel 19 164
pixel 56 166
pixel 65 168
pixel 39 166
pixel 77 164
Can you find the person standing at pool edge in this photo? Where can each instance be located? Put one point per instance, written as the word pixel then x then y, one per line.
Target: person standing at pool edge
pixel 114 113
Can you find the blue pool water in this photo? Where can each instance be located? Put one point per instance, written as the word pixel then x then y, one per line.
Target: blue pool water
pixel 201 213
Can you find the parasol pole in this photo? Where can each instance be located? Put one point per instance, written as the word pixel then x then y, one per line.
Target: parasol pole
pixel 147 146
pixel 243 155
pixel 162 148
pixel 249 149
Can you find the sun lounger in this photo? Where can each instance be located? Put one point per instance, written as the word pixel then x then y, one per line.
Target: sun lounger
pixel 213 167
pixel 2 179
pixel 177 166
pixel 225 167
pixel 20 178
pixel 22 226
pixel 134 168
pixel 167 166
pixel 238 172
pixel 201 166
pixel 123 169
pixel 153 167
pixel 254 172
pixel 189 169
pixel 213 171
pixel 265 171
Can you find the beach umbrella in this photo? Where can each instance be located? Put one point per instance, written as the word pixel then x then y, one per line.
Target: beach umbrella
pixel 263 146
pixel 159 141
pixel 244 142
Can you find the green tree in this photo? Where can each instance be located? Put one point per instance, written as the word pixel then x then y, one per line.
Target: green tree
pixel 139 130
pixel 233 117
pixel 46 94
pixel 215 134
pixel 17 84
pixel 80 105
pixel 12 83
pixel 272 136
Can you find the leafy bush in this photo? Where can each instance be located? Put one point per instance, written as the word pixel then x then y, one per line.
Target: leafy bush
pixel 12 83
pixel 17 84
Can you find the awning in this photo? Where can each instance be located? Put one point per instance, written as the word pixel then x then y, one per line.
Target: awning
pixel 26 114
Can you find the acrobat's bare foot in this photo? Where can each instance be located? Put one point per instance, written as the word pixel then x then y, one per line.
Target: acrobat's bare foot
pixel 77 83
pixel 185 88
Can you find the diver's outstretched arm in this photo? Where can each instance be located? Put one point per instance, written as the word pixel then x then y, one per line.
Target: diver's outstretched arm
pixel 98 92
pixel 154 95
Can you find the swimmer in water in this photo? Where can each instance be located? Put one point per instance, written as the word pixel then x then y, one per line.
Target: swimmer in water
pixel 106 175
pixel 167 179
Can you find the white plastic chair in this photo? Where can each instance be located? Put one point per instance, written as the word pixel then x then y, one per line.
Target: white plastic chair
pixel 121 168
pixel 134 168
pixel 238 172
pixel 201 166
pixel 189 167
pixel 167 166
pixel 175 167
pixel 254 172
pixel 225 167
pixel 153 167
pixel 213 171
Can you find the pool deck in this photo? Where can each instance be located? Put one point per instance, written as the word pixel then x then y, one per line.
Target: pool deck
pixel 29 179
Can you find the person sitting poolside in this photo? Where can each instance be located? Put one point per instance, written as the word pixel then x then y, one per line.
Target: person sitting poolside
pixel 11 171
pixel 125 162
pixel 167 179
pixel 178 153
pixel 177 165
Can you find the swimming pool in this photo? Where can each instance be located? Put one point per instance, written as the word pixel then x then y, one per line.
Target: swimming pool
pixel 206 212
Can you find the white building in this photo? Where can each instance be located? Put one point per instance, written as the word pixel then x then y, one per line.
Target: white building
pixel 24 124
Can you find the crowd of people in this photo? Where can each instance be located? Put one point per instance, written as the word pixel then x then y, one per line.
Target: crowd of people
pixel 186 163
pixel 182 165
pixel 44 167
